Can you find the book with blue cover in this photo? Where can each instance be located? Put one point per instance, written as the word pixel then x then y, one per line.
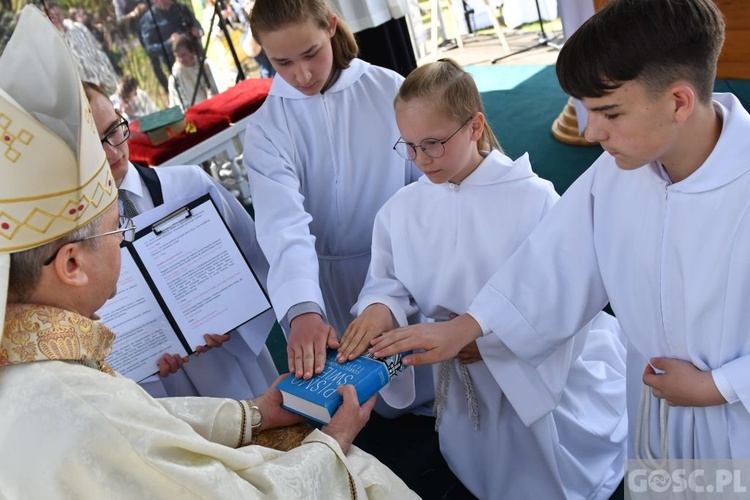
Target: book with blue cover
pixel 318 398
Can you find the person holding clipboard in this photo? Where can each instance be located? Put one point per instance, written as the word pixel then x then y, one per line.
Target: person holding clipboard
pixel 234 368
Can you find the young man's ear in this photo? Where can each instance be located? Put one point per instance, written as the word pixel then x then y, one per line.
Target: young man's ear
pixel 68 265
pixel 684 99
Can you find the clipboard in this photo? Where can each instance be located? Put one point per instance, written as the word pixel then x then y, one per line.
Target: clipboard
pixel 164 224
pixel 183 276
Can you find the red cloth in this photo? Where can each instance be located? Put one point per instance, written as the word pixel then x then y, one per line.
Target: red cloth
pixel 142 152
pixel 209 117
pixel 237 102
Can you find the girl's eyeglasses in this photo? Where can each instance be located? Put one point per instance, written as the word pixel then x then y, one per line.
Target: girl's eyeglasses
pixel 434 148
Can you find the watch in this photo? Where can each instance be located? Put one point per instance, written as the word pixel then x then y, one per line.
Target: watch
pixel 256 417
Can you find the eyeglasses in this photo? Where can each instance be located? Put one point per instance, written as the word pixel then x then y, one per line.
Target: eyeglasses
pixel 433 148
pixel 126 228
pixel 117 134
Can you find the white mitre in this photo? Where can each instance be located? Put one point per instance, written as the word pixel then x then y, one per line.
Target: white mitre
pixel 54 174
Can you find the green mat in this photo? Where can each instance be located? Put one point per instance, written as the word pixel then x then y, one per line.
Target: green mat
pixel 522 102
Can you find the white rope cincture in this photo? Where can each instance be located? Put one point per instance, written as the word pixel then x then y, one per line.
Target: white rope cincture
pixel 441 393
pixel 471 395
pixel 643 429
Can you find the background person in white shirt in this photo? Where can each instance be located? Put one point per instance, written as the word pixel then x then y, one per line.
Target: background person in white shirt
pixel 131 101
pixel 242 367
pixel 187 80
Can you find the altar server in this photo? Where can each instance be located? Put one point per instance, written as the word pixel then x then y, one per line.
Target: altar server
pixel 319 158
pixel 507 429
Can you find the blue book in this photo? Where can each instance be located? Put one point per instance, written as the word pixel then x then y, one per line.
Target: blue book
pixel 318 398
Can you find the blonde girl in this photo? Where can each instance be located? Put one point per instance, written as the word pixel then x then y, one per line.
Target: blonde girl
pixel 507 429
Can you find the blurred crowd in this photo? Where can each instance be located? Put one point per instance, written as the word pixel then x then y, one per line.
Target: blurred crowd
pixel 190 60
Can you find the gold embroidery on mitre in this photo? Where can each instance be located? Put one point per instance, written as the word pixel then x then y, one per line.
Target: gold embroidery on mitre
pixel 95 192
pixel 7 138
pixel 88 115
pixel 8 225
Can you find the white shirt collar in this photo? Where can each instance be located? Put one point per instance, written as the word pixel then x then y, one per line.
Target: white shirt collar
pixel 132 182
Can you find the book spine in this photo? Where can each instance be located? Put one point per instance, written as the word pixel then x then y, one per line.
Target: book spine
pixel 372 383
pixel 332 404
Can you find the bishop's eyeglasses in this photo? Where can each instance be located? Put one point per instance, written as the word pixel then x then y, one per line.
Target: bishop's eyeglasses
pixel 126 228
pixel 434 148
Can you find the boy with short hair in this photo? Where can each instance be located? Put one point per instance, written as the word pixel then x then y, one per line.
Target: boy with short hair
pixel 659 227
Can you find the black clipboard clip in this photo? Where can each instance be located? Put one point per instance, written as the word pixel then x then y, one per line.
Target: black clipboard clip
pixel 170 220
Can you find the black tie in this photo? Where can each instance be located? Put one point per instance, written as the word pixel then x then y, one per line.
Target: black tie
pixel 128 209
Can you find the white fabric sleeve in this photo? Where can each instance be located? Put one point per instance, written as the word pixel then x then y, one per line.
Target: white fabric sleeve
pixel 218 420
pixel 551 286
pixel 381 284
pixel 281 223
pixel 733 382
